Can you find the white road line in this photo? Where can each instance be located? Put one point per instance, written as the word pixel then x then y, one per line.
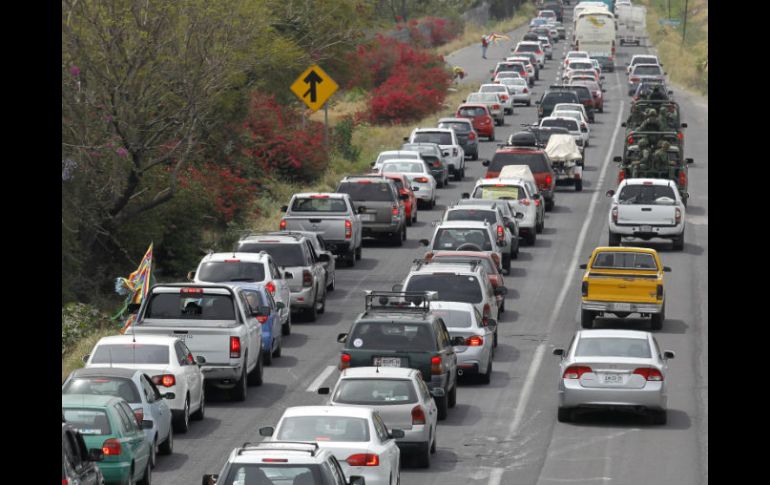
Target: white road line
pixel 313 387
pixel 537 359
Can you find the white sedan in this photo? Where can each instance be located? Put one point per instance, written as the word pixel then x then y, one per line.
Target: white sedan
pixel 169 363
pixel 356 436
pixel 578 116
pixel 518 88
pixel 422 181
pixel 613 369
pixel 505 95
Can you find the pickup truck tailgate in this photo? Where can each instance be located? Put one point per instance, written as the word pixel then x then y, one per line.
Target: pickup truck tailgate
pixel 331 227
pixel 642 214
pixel 212 342
pixel 622 286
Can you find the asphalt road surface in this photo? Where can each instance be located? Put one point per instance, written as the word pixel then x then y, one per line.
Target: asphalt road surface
pixel 506 432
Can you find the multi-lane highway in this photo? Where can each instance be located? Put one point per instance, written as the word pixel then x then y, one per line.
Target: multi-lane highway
pixel 507 432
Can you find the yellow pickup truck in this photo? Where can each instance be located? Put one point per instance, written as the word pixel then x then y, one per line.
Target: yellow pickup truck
pixel 621 281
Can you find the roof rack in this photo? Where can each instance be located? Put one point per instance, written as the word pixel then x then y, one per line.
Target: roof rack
pixel 419 263
pixel 249 233
pixel 265 446
pixel 407 301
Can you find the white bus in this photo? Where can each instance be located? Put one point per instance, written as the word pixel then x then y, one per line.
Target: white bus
pixel 595 31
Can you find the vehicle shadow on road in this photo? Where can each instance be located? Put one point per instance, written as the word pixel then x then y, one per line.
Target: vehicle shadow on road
pixel 677 420
pixel 504 353
pixel 510 316
pixel 518 272
pixel 500 380
pixel 329 318
pixel 695 210
pixel 674 326
pixel 547 231
pixel 513 294
pixel 294 340
pixel 443 460
pixel 365 263
pixel 543 243
pixel 560 209
pixel 462 414
pixel 284 361
pixel 257 396
pixel 175 461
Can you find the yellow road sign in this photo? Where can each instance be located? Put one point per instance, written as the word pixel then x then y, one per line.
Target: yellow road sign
pixel 314 87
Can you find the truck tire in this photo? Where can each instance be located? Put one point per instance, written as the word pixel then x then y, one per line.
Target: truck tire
pixel 238 393
pixel 267 357
pixel 657 319
pixel 323 304
pixel 452 401
pixel 443 407
pixel 507 262
pixel 579 185
pixel 312 312
pixel 286 327
pixel 358 250
pixel 679 242
pixel 614 239
pixel 255 377
pixel 587 318
pixel 531 238
pixel 549 203
pixel 350 258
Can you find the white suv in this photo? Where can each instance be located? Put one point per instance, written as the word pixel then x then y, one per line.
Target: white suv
pixel 447 139
pixel 298 463
pixel 535 48
pixel 247 268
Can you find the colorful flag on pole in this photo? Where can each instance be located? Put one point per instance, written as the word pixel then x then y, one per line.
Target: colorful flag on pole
pixel 137 285
pixel 494 37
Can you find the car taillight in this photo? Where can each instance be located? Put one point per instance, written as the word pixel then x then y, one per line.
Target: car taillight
pixel 659 292
pixel 435 365
pixel 630 140
pixel 584 288
pixel 348 229
pixel 422 180
pixel 537 202
pixel 474 341
pixel 677 215
pixel 139 413
pixel 615 213
pixel 500 232
pixel 538 52
pixel 307 278
pixel 496 259
pixel 270 286
pixel 575 371
pixel 486 310
pixel 680 136
pixel 344 361
pixel 682 178
pixel 437 163
pixel 548 180
pixel 649 373
pixel 418 415
pixel 111 447
pixel 495 106
pixel 165 380
pixel 525 91
pixel 621 176
pixel 472 136
pixel 262 318
pixel 235 347
pixel 282 225
pixel 504 97
pixel 394 211
pixel 363 459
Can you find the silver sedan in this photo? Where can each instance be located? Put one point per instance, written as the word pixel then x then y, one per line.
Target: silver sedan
pixel 613 369
pixel 465 323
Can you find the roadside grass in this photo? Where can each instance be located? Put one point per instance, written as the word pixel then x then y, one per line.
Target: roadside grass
pixel 72 359
pixel 685 62
pixel 473 32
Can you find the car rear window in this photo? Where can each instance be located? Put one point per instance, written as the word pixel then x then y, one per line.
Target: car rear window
pixel 552 99
pixel 284 254
pixel 613 347
pixel 583 93
pixel 104 386
pixel 483 98
pixel 391 335
pixel 453 238
pixel 423 149
pixel 644 60
pixel 575 65
pixel 472 215
pixel 403 167
pixel 457 126
pixel 219 271
pixel 647 194
pixel 366 190
pixel 471 111
pixel 450 287
pixel 93 422
pixel 647 70
pixel 395 156
pixel 454 318
pixel 323 428
pixel 513 192
pixel 621 260
pixel 438 137
pixel 318 204
pixel 527 48
pixel 535 161
pixel 375 392
pixel 569 124
pixel 130 353
pixel 278 473
pixel 190 306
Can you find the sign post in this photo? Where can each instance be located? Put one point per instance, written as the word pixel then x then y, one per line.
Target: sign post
pixel 314 87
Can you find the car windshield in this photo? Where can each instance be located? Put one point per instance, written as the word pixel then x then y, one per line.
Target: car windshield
pixel 570 125
pixel 472 215
pixel 220 271
pixel 190 306
pixel 454 238
pixel 283 254
pixel 472 111
pixel 404 167
pixel 437 137
pixel 323 428
pixel 366 190
pixel 375 392
pixel 104 386
pixel 647 71
pixel 508 74
pixel 93 422
pixel 391 335
pixel 613 347
pixel 318 203
pixel 513 192
pixel 535 161
pixel 274 474
pixel 621 260
pixel 450 287
pixel 130 353
pixel 647 194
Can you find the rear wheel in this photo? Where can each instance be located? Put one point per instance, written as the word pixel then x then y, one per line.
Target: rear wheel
pixel 255 377
pixel 507 262
pixel 423 457
pixel 587 318
pixel 614 239
pixel 531 238
pixel 322 308
pixel 443 406
pixel 358 250
pixel 679 242
pixel 486 378
pixel 147 478
pixel 267 357
pixel 351 258
pixel 453 396
pixel 578 185
pixel 286 327
pixel 475 156
pixel 201 412
pixel 239 391
pixel 312 312
pixel 167 447
pixel 182 420
pixel 657 319
pixel 549 203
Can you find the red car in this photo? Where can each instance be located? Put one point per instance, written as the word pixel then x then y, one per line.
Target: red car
pixel 487 259
pixel 402 183
pixel 480 117
pixel 596 92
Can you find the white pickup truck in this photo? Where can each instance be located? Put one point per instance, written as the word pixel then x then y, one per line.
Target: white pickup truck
pixel 331 215
pixel 214 321
pixel 647 208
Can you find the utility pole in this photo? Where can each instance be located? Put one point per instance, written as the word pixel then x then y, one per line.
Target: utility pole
pixel 684 27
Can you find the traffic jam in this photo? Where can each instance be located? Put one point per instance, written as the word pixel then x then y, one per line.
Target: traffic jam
pixel 481 201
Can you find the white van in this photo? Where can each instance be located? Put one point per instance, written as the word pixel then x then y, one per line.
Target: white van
pixel 595 31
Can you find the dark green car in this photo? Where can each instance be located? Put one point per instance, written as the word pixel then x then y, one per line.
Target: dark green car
pixel 398 330
pixel 108 423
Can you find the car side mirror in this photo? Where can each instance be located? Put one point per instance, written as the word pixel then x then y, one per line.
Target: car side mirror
pixel 583 266
pixel 445 153
pixel 191 276
pixel 485 163
pixel 85 358
pixel 361 210
pixel 404 196
pixel 323 391
pixel 357 480
pixel 604 90
pixel 414 189
pixel 665 74
pixel 324 258
pixel 584 129
pixel 437 392
pixel 465 195
pixel 373 164
pixel 458 341
pixel 623 124
pixel 147 424
pixel 666 269
pixel 667 354
pixel 168 395
pixel 537 102
pixel 396 433
pixel 610 193
pixel 424 242
pixel 670 92
pixel 684 125
pixel 689 160
pixel 342 338
pixel 209 479
pixel 617 159
pixel 266 431
pixel 491 322
pixel 559 352
pixel 284 208
pixel 95 454
pixel 519 215
pixel 200 360
pixel 133 307
pixel 280 305
pixel 406 138
pixel 536 196
pixel 501 291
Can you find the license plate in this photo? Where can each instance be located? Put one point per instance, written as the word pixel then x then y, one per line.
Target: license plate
pixel 646 228
pixel 622 307
pixel 387 361
pixel 612 378
pixel 367 217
